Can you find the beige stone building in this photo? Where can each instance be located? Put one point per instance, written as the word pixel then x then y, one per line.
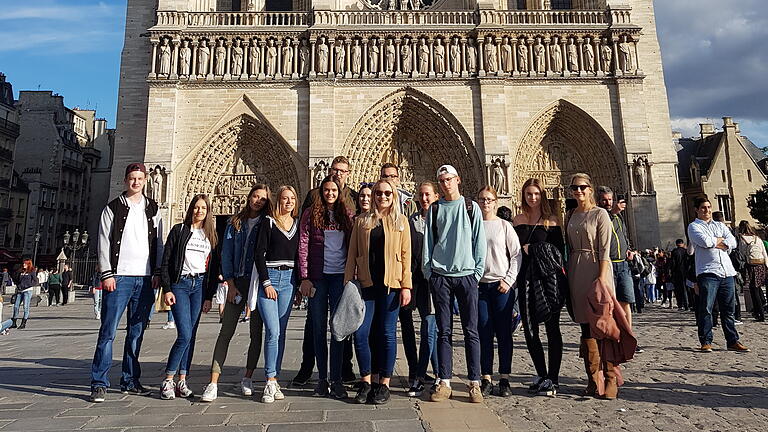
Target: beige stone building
pixel 725 166
pixel 222 94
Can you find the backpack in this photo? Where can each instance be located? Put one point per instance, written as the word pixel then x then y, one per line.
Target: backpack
pixel 646 267
pixel 467 206
pixel 738 259
pixel 755 254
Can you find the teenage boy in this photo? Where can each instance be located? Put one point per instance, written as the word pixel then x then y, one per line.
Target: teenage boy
pixel 453 261
pixel 130 251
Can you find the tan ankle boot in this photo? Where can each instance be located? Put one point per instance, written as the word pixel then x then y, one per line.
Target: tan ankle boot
pixel 611 384
pixel 591 364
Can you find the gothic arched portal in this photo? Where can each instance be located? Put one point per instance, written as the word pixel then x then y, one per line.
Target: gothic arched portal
pixel 415 132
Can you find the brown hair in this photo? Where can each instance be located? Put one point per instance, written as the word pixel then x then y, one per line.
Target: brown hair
pixel 389 165
pixel 490 190
pixel 340 159
pixel 430 184
pixel 209 224
pixel 27 266
pixel 588 180
pixel 243 214
pixel 746 228
pixel 546 210
pixel 276 210
pixel 321 218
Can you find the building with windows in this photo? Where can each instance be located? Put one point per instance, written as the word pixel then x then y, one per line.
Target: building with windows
pixel 9 131
pixel 19 204
pixel 226 93
pixel 724 166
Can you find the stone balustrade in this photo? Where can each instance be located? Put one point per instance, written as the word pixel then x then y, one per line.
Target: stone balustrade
pixel 232 19
pixel 394 18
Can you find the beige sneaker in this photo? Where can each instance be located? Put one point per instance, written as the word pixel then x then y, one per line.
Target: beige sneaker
pixel 475 394
pixel 442 393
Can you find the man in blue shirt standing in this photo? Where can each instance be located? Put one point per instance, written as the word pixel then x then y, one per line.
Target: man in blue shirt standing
pixel 712 241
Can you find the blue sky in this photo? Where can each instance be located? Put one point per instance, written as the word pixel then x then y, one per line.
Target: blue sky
pixel 712 60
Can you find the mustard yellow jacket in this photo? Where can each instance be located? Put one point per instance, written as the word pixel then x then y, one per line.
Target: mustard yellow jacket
pixel 397 253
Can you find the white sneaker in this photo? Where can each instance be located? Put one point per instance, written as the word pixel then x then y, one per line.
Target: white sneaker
pixel 210 393
pixel 183 390
pixel 269 392
pixel 168 390
pixel 246 386
pixel 169 325
pixel 278 393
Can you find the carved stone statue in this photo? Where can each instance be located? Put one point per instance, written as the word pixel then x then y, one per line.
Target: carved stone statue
pixel 357 56
pixel 405 56
pixel 540 51
pixel 304 58
pixel 165 58
pixel 287 53
pixel 626 55
pixel 490 55
pixel 221 54
pixel 641 175
pixel 522 56
pixel 606 56
pixel 237 58
pixel 455 56
pixel 271 58
pixel 156 185
pixel 203 56
pixel 390 55
pixel 373 56
pixel 557 56
pixel 573 57
pixel 471 56
pixel 423 57
pixel 507 61
pixel 589 55
pixel 439 51
pixel 339 56
pixel 322 56
pixel 255 64
pixel 498 177
pixel 185 58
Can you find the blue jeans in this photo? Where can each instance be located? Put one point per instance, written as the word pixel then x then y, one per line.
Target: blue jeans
pixel 5 324
pixel 275 314
pixel 379 329
pixel 327 294
pixel 26 297
pixel 625 288
pixel 136 294
pixel 464 289
pixel 495 319
pixel 651 292
pixel 723 290
pixel 427 346
pixel 188 307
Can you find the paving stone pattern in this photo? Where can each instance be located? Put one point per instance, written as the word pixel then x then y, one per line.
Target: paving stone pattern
pixel 44 386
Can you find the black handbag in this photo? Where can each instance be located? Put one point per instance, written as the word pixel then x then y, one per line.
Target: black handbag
pixel 13 298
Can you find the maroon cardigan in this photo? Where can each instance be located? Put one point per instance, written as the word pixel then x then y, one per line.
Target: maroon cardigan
pixel 312 246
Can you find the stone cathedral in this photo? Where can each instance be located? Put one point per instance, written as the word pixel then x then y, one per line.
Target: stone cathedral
pixel 216 95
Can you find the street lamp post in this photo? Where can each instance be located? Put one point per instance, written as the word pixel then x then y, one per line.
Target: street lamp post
pixel 37 241
pixel 75 242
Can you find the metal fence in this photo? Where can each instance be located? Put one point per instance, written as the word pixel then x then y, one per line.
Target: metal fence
pixel 83 269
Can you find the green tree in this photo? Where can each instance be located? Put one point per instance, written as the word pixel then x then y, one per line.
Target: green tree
pixel 758 206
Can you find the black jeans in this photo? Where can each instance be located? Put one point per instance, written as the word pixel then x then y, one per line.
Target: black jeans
pixel 639 303
pixel 54 292
pixel 64 294
pixel 535 347
pixel 680 294
pixel 465 289
pixel 308 351
pixel 408 333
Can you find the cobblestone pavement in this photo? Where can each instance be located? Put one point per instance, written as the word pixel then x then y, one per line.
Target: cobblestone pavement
pixel 44 376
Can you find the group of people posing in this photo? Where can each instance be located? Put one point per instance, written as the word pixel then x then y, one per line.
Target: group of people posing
pixel 381 248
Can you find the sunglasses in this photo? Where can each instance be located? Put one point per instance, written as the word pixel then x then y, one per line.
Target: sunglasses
pixel 368 185
pixel 579 187
pixel 380 193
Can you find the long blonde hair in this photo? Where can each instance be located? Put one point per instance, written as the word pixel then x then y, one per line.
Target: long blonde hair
pixel 373 217
pixel 209 223
pixel 276 207
pixel 590 196
pixel 546 210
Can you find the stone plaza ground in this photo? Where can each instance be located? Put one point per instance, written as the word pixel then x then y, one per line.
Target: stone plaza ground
pixel 44 385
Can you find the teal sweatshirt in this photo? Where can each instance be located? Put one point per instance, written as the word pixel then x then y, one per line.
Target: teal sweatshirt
pixel 460 247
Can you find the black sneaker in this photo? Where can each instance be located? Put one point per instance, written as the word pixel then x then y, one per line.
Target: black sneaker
pixel 486 387
pixel 382 395
pixel 302 378
pixel 349 377
pixel 136 390
pixel 363 391
pixel 416 390
pixel 504 390
pixel 98 394
pixel 548 388
pixel 428 379
pixel 338 391
pixel 321 389
pixel 534 388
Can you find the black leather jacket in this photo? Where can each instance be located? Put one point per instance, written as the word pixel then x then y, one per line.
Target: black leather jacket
pixel 544 282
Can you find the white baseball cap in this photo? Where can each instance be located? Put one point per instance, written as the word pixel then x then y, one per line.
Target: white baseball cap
pixel 447 169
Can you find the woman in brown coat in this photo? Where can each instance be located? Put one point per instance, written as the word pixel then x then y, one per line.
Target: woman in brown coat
pixel 588 231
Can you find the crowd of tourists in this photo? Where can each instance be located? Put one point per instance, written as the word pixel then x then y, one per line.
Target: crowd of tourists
pixel 56 283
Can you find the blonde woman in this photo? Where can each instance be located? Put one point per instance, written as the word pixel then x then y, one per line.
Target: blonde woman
pixel 380 255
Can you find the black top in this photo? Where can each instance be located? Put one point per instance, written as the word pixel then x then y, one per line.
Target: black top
pixel 275 248
pixel 376 256
pixel 66 278
pixel 537 233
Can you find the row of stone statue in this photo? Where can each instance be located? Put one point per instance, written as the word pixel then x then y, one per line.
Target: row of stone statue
pixel 357 57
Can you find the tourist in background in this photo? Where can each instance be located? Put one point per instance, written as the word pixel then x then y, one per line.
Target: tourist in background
pixel 678 265
pixel 184 276
pixel 54 287
pixel 66 284
pixel 324 236
pixel 751 246
pixel 237 256
pixel 497 293
pixel 42 277
pixel 364 197
pixel 650 278
pixel 26 281
pixel 541 239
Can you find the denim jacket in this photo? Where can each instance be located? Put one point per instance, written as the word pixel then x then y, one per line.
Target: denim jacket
pixel 237 250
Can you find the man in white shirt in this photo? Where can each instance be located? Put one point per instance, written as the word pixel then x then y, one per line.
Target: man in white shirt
pixel 130 251
pixel 712 241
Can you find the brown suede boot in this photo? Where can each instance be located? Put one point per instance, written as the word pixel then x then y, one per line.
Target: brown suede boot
pixel 591 364
pixel 611 384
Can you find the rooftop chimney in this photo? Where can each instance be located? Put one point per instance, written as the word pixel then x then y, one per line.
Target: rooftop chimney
pixel 707 129
pixel 727 122
pixel 677 135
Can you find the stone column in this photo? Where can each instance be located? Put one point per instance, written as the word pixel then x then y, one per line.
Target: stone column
pixel 580 49
pixel 397 57
pixel 414 58
pixel 296 44
pixel 193 65
pixel 211 58
pixel 515 70
pixel 481 54
pixel 499 66
pixel 531 65
pixel 312 72
pixel 616 66
pixel 279 62
pixel 547 57
pixel 636 63
pixel 382 52
pixel 599 71
pixel 245 44
pixel 228 62
pixel 153 68
pixel 464 71
pixel 175 60
pixel 364 59
pixel 431 43
pixel 262 60
pixel 564 53
pixel 348 70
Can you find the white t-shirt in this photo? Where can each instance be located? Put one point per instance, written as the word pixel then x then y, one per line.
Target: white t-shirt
pixel 196 253
pixel 134 245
